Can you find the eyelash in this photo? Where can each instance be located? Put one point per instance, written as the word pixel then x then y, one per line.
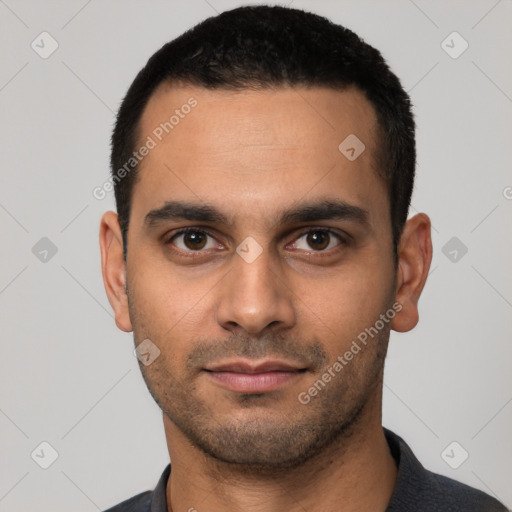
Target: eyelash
pixel 344 241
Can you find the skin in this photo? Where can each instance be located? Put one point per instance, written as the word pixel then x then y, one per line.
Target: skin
pixel 252 155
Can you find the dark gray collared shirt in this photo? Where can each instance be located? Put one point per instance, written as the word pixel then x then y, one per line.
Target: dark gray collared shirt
pixel 416 489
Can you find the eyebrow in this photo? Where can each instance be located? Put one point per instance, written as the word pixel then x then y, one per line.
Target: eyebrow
pixel 307 212
pixel 178 210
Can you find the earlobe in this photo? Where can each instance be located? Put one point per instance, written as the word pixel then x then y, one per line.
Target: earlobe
pixel 114 269
pixel 414 258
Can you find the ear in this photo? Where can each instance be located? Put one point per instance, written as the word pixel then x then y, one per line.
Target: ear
pixel 114 269
pixel 414 258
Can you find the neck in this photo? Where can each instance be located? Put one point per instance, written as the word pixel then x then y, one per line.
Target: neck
pixel 355 473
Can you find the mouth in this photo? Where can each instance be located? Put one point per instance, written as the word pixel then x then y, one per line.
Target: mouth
pixel 245 376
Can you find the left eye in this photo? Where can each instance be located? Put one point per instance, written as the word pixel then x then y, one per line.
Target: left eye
pixel 193 240
pixel 318 240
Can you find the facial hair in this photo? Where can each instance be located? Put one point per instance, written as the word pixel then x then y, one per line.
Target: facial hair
pixel 274 430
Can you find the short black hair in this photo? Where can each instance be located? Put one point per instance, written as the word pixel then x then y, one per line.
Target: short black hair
pixel 258 47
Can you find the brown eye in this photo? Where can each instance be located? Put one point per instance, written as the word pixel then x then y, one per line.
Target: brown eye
pixel 319 240
pixel 192 240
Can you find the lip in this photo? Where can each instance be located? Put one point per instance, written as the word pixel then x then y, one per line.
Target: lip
pixel 248 366
pixel 245 376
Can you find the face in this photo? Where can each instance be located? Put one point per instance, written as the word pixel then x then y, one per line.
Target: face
pixel 258 253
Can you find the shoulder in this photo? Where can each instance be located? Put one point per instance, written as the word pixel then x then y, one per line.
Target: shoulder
pixel 455 496
pixel 149 501
pixel 139 503
pixel 423 491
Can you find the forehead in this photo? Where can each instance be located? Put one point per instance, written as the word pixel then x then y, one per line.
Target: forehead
pixel 319 117
pixel 256 150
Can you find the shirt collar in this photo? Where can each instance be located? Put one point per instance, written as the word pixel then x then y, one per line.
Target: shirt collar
pixel 159 497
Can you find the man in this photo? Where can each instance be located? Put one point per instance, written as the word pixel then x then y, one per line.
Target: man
pixel 263 165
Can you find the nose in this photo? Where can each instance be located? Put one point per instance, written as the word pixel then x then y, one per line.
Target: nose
pixel 254 296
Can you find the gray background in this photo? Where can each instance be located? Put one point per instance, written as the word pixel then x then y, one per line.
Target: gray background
pixel 69 377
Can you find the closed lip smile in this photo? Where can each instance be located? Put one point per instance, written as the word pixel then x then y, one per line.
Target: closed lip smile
pixel 248 376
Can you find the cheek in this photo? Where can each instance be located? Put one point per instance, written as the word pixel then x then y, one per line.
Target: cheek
pixel 347 303
pixel 165 303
